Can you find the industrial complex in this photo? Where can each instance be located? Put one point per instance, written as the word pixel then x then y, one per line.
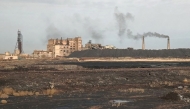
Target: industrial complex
pixel 18 51
pixel 73 47
pixel 55 48
pixel 68 69
pixel 64 47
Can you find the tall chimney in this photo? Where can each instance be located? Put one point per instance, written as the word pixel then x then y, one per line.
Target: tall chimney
pixel 143 44
pixel 168 44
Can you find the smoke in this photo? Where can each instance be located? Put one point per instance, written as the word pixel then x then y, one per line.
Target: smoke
pixel 95 35
pixel 129 16
pixel 77 26
pixel 93 29
pixel 122 21
pixel 53 32
pixel 148 34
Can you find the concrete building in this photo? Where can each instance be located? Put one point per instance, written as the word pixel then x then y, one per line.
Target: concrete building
pixel 64 47
pixel 90 45
pixel 2 56
pixel 8 55
pixel 11 57
pixel 61 50
pixel 42 54
pixel 109 47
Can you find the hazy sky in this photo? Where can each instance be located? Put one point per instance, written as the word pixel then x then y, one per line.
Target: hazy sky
pixel 94 20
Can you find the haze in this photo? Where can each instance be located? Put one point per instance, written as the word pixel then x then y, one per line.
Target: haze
pixel 94 20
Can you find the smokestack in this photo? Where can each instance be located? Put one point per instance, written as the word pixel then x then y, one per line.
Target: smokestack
pixel 168 44
pixel 143 44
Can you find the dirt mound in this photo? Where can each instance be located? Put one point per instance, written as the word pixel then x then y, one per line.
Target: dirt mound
pixel 171 96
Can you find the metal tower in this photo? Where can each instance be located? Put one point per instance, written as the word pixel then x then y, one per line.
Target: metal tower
pixel 19 43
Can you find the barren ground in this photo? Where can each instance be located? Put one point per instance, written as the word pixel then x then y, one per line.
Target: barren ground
pixel 93 85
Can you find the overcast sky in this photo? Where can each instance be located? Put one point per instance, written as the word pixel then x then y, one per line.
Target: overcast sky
pixel 93 20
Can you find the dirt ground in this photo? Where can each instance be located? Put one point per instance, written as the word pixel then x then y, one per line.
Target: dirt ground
pixel 124 85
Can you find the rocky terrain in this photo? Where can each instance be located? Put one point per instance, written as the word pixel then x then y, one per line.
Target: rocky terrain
pixel 66 84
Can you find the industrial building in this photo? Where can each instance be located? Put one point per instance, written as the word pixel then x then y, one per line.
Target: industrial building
pixel 8 55
pixel 64 47
pixel 109 47
pixel 2 56
pixel 59 48
pixel 42 54
pixel 91 45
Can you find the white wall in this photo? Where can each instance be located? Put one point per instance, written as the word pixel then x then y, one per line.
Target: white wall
pixel 11 57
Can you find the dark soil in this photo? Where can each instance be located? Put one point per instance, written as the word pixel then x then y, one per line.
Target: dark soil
pixel 173 96
pixel 95 87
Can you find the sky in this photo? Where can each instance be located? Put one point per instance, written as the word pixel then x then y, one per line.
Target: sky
pixel 102 21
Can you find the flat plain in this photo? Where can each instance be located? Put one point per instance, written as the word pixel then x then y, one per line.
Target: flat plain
pixel 94 85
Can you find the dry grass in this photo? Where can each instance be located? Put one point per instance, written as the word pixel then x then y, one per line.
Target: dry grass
pixel 3 101
pixel 44 92
pixel 186 80
pixel 53 91
pixel 16 94
pixel 37 93
pixel 136 90
pixel 132 90
pixel 162 83
pixel 95 107
pixel 23 93
pixel 4 96
pixel 49 92
pixel 8 90
pixel 30 93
